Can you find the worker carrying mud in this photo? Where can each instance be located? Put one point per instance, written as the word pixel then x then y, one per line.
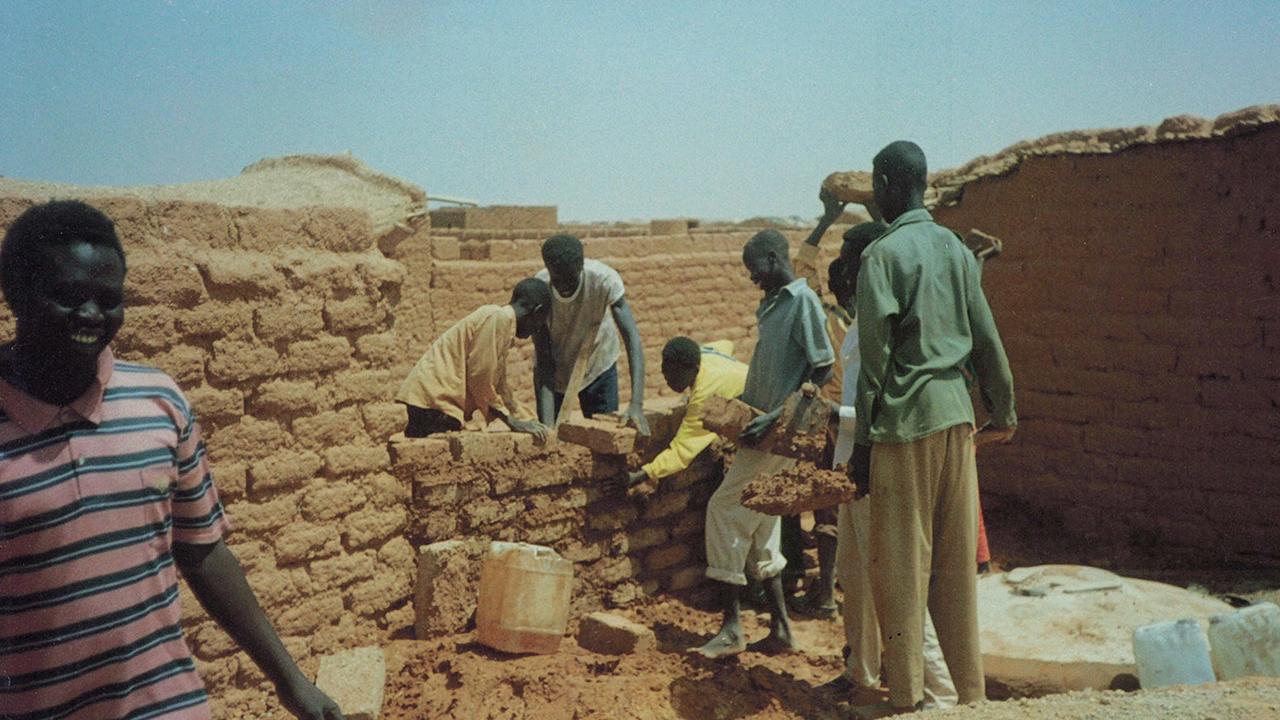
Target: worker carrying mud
pixel 704 371
pixel 792 353
pixel 819 598
pixel 576 351
pixel 921 316
pixel 104 489
pixel 465 369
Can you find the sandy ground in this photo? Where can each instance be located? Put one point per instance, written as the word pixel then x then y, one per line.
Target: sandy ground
pixel 455 677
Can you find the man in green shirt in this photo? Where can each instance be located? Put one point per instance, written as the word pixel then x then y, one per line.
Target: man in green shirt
pixel 922 319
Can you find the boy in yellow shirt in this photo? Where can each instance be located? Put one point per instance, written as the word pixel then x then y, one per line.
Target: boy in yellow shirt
pixel 706 371
pixel 465 369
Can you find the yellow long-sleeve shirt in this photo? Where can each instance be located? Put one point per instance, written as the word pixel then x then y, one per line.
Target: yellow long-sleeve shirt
pixel 719 374
pixel 838 321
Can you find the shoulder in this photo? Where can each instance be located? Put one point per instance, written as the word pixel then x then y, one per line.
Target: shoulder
pixel 804 294
pixel 132 381
pixel 597 270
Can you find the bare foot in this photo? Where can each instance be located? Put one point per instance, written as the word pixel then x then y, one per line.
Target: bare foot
pixel 723 645
pixel 777 643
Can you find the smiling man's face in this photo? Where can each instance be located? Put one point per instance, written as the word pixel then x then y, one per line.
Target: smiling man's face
pixel 75 305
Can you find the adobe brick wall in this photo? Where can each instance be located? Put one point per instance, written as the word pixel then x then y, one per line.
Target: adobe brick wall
pixel 503 486
pixel 1139 300
pixel 278 324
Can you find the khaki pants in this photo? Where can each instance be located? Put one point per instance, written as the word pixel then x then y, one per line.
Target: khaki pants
pixel 924 535
pixel 861 629
pixel 736 535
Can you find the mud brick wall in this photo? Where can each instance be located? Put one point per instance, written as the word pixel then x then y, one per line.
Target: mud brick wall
pixel 502 486
pixel 688 283
pixel 278 326
pixel 1139 299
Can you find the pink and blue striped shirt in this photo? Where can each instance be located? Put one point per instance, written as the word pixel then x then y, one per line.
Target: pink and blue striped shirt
pixel 92 496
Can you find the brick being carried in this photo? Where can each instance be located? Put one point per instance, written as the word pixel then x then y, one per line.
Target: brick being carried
pixel 799 432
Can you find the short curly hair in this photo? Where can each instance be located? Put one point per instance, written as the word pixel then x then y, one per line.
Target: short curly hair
pixel 562 250
pixel 58 222
pixel 682 351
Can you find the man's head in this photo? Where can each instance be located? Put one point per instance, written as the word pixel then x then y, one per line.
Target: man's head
pixel 681 360
pixel 768 260
pixel 856 239
pixel 562 255
pixel 898 178
pixel 531 300
pixel 62 272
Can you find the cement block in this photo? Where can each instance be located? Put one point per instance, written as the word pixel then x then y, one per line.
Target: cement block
pixel 355 679
pixel 610 634
pixel 602 436
pixel 444 597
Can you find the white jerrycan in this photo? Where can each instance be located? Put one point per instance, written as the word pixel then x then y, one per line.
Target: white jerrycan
pixel 1172 653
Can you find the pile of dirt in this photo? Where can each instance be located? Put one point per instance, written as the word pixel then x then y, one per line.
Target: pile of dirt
pixel 455 677
pixel 803 488
pixel 293 181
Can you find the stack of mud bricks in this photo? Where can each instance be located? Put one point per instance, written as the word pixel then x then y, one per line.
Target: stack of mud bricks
pixel 471 488
pixel 1139 302
pixel 277 324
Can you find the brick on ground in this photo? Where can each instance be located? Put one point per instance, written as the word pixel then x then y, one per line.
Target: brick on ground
pixel 602 436
pixel 355 679
pixel 444 597
pixel 609 634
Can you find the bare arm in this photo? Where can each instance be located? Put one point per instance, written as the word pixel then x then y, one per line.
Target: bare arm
pixel 544 373
pixel 626 323
pixel 218 581
pixel 831 210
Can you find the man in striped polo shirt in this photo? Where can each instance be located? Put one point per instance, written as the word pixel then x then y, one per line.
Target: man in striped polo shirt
pixel 104 489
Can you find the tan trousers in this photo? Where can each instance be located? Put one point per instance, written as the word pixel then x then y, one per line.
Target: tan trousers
pixel 861 629
pixel 738 537
pixel 924 537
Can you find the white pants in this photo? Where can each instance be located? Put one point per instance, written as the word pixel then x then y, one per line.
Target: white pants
pixel 861 629
pixel 736 535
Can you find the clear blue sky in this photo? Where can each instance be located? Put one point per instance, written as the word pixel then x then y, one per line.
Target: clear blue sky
pixel 610 110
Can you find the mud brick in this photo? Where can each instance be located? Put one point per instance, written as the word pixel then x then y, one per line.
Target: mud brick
pixel 610 634
pixel 727 416
pixel 610 516
pixel 237 361
pixel 164 283
pixel 383 420
pixel 342 427
pixel 685 578
pixel 370 527
pixel 355 679
pixel 342 570
pixel 380 350
pixel 551 532
pixel 212 403
pixel 283 470
pixel 444 596
pixel 327 353
pixel 599 435
pixel 647 536
pixel 426 452
pixel 355 459
pixel 445 248
pixel 481 447
pixel 305 541
pixel 294 320
pixel 666 556
pixel 665 502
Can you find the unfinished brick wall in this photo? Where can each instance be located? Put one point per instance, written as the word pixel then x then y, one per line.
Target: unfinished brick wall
pixel 502 486
pixel 1139 300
